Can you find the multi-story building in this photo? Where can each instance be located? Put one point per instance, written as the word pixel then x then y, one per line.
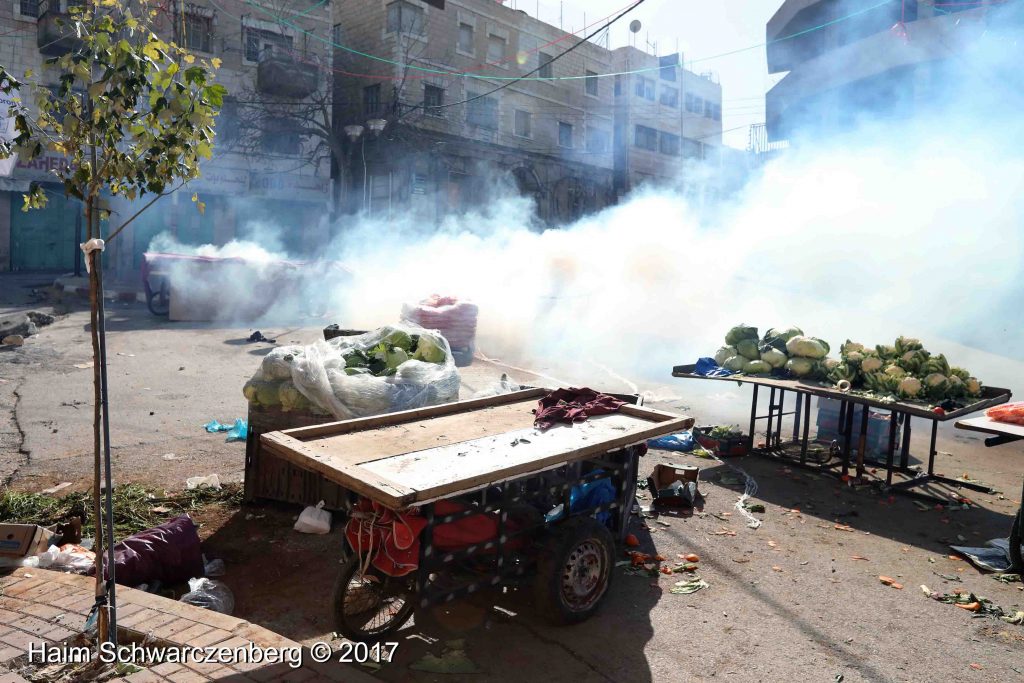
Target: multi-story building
pixel 264 169
pixel 442 84
pixel 668 124
pixel 842 63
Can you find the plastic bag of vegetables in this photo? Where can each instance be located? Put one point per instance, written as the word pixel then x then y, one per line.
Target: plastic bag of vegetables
pixel 392 368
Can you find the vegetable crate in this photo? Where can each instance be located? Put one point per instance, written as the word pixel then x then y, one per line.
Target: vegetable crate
pixel 731 446
pixel 269 477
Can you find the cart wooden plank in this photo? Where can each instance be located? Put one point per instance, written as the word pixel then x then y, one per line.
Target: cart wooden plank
pixel 990 396
pixel 462 446
pixel 989 426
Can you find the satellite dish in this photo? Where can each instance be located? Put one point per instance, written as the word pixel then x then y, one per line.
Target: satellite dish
pixel 635 26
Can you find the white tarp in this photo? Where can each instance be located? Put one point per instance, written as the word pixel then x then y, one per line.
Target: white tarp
pixel 7 131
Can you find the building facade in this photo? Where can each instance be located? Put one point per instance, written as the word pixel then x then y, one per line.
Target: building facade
pixel 271 61
pixel 843 64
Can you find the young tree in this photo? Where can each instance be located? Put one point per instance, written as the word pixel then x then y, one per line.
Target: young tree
pixel 133 115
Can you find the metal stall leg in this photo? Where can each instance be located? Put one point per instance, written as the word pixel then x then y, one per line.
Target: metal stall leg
pixel 627 489
pixel 807 426
pixel 862 442
pixel 778 423
pixel 771 415
pixel 1016 562
pixel 905 450
pixel 426 553
pixel 797 416
pixel 890 451
pixel 847 425
pixel 753 419
pixel 931 448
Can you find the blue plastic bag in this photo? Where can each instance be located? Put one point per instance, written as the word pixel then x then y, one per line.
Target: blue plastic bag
pixel 588 495
pixel 236 432
pixel 707 367
pixel 682 442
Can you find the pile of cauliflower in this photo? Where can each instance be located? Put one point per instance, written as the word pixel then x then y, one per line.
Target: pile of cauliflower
pixel 905 369
pixel 780 349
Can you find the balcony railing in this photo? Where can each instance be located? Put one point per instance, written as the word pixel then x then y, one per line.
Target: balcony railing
pixel 55 30
pixel 284 73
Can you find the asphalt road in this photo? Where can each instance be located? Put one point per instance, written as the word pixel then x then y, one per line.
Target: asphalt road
pixel 796 599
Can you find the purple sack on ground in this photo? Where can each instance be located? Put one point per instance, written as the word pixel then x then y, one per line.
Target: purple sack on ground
pixel 169 553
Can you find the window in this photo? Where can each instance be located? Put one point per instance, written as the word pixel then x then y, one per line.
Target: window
pixel 259 42
pixel 591 83
pixel 669 144
pixel 482 112
pixel 371 100
pixel 495 49
pixel 433 99
pixel 564 134
pixel 645 88
pixel 28 8
pixel 712 110
pixel 405 18
pixel 618 86
pixel 670 97
pixel 198 31
pixel 597 140
pixel 694 104
pixel 545 65
pixel 646 138
pixel 692 149
pixel 522 123
pixel 228 122
pixel 466 38
pixel 336 35
pixel 279 137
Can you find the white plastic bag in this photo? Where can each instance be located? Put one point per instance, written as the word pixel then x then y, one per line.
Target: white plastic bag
pixel 314 520
pixel 211 480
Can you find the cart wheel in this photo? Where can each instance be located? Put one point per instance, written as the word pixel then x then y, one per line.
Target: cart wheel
pixel 368 606
pixel 159 302
pixel 574 570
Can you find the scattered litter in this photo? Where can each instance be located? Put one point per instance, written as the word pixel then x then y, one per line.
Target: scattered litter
pixel 859 557
pixel 948 577
pixel 214 568
pixel 920 505
pixel 994 558
pixel 516 442
pixel 844 527
pixel 171 456
pixel 689 557
pixel 974 603
pixel 13 340
pixel 314 520
pixel 741 560
pixel 161 509
pixel 773 544
pixel 209 594
pixel 776 568
pixel 724 532
pixel 632 541
pixel 257 336
pixel 236 432
pixel 889 581
pixel 754 507
pixel 1007 578
pixel 682 442
pixel 686 587
pixel 453 660
pixel 210 480
pixel 83 366
pixel 54 489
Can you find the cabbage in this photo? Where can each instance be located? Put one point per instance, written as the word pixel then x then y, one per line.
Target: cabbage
pixel 909 387
pixel 396 357
pixel 748 349
pixel 399 339
pixel 800 367
pixel 268 394
pixel 807 347
pixel 249 391
pixel 756 367
pixel 429 351
pixel 292 399
pixel 778 344
pixel 278 363
pixel 725 353
pixel 774 358
pixel 739 333
pixel 735 363
pixel 955 387
pixel 783 333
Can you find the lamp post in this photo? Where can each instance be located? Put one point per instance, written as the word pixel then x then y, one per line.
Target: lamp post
pixel 355 134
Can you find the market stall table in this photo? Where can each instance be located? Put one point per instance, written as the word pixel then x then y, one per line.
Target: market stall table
pixel 1002 433
pixel 900 415
pixel 486 456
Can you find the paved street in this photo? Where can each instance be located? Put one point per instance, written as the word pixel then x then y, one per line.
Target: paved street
pixel 795 599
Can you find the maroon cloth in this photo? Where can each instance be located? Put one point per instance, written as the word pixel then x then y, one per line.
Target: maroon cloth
pixel 573 405
pixel 169 552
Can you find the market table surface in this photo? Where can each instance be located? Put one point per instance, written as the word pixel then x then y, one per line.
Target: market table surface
pixel 1002 432
pixel 417 456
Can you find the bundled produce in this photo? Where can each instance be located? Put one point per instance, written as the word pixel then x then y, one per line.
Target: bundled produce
pixel 780 351
pixel 452 317
pixel 1012 413
pixel 389 369
pixel 904 369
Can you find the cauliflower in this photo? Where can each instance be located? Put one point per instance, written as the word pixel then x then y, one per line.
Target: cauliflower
pixel 871 364
pixel 895 371
pixel 973 386
pixel 909 387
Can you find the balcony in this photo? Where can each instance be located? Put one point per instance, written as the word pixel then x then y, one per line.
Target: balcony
pixel 55 31
pixel 284 73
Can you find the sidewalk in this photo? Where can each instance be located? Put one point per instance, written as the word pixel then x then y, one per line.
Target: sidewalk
pixel 41 606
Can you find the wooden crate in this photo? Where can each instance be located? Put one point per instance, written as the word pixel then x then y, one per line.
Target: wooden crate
pixel 269 477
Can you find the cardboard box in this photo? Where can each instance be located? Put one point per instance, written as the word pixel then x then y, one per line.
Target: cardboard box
pixel 662 478
pixel 23 540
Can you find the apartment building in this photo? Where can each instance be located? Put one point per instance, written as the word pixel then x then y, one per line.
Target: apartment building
pixel 842 63
pixel 264 171
pixel 668 124
pixel 448 136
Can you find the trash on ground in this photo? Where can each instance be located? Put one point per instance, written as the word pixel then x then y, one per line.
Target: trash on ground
pixel 209 594
pixel 55 489
pixel 18 541
pixel 214 568
pixel 12 340
pixel 686 587
pixel 994 558
pixel 169 553
pixel 754 507
pixel 675 486
pixel 682 442
pixel 453 660
pixel 257 336
pixel 889 581
pixel 211 480
pixel 314 520
pixel 1007 578
pixel 235 432
pixel 68 558
pixel 973 603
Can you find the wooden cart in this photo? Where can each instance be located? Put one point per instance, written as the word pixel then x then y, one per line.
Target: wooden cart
pixel 485 456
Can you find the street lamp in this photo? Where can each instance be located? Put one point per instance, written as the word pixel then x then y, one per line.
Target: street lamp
pixel 355 133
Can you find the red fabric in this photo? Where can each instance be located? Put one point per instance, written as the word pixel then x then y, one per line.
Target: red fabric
pixel 573 405
pixel 393 538
pixel 169 553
